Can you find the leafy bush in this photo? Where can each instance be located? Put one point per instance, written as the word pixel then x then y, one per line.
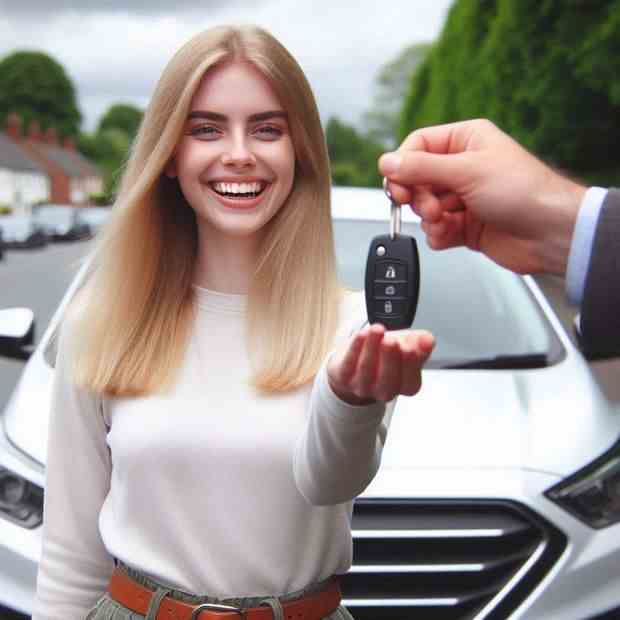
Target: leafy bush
pixel 545 71
pixel 353 155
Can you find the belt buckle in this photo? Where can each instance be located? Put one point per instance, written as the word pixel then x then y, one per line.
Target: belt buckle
pixel 215 607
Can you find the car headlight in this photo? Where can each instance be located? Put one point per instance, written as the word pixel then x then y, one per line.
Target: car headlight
pixel 20 501
pixel 593 493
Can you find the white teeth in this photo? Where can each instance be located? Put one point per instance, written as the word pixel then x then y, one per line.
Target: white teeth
pixel 238 188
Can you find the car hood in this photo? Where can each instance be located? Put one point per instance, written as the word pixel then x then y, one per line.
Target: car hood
pixel 529 419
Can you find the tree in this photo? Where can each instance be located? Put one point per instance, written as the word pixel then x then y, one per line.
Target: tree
pixel 392 84
pixel 36 87
pixel 109 145
pixel 109 149
pixel 353 156
pixel 122 116
pixel 544 70
pixel 449 85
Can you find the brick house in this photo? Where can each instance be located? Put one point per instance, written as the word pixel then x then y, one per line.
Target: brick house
pixel 72 177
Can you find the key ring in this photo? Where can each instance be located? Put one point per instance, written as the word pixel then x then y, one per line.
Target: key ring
pixel 394 211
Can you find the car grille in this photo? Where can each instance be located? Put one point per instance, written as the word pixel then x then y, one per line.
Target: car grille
pixel 440 560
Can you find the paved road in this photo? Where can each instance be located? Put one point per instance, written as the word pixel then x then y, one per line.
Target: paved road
pixel 38 278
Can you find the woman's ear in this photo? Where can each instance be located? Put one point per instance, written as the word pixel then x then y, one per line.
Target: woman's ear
pixel 171 168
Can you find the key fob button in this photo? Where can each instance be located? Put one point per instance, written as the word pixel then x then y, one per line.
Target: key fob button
pixel 389 289
pixel 390 307
pixel 390 270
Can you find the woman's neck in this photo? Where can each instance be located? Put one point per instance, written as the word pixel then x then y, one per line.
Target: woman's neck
pixel 225 263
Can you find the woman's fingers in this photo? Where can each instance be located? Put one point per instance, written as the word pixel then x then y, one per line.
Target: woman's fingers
pixel 389 376
pixel 379 365
pixel 346 369
pixel 402 355
pixel 367 367
pixel 415 350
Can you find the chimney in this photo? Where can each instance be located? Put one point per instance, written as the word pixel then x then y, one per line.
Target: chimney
pixel 69 144
pixel 51 136
pixel 14 126
pixel 34 131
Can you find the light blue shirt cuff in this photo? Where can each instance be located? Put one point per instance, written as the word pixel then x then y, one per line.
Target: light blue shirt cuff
pixel 581 244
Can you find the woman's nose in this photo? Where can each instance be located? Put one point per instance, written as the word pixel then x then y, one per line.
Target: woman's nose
pixel 238 154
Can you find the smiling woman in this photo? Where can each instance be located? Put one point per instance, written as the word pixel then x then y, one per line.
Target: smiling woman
pixel 155 243
pixel 235 164
pixel 214 411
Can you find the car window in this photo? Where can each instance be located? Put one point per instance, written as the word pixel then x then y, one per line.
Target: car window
pixel 475 309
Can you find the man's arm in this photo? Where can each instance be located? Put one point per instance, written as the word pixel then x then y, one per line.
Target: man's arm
pixel 474 186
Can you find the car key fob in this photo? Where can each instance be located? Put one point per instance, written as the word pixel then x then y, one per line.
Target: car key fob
pixel 392 276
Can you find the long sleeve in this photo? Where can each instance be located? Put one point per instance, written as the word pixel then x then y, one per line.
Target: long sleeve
pixel 339 453
pixel 581 243
pixel 600 309
pixel 75 567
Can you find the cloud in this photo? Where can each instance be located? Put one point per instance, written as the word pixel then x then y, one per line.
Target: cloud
pixel 29 8
pixel 114 56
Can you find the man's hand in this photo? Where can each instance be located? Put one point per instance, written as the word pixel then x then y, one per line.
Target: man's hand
pixel 474 186
pixel 377 365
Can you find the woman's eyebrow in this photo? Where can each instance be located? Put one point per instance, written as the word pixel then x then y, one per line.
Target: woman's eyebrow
pixel 264 116
pixel 216 116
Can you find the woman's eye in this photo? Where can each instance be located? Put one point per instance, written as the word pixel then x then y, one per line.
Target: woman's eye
pixel 269 131
pixel 204 130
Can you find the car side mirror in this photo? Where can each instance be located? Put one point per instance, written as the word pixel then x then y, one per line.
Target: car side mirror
pixel 17 329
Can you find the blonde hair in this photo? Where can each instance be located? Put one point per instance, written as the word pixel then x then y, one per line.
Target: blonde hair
pixel 132 318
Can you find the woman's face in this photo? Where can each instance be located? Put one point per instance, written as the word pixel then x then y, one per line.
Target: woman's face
pixel 236 161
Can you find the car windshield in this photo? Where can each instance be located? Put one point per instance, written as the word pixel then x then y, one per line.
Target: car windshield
pixel 481 315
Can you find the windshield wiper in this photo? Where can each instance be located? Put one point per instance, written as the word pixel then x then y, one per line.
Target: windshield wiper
pixel 526 360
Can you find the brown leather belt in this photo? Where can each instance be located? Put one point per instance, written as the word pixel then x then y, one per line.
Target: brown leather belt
pixel 136 597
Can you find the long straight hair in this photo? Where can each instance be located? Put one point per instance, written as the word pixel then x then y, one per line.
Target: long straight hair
pixel 132 318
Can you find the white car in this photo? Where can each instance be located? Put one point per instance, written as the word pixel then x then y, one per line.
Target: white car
pixel 22 231
pixel 499 491
pixel 62 222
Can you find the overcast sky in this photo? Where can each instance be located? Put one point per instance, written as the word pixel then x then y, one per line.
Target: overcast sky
pixel 115 51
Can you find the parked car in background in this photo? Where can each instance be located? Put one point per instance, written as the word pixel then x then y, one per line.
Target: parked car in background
pixel 22 231
pixel 62 222
pixel 95 216
pixel 498 495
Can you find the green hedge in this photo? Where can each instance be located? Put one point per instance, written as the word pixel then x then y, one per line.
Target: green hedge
pixel 546 71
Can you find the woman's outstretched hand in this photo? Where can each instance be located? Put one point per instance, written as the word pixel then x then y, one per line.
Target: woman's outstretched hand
pixel 377 365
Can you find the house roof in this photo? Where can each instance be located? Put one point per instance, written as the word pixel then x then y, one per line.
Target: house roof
pixel 14 158
pixel 61 157
pixel 86 164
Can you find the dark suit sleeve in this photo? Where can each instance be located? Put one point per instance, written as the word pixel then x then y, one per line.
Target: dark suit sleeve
pixel 600 309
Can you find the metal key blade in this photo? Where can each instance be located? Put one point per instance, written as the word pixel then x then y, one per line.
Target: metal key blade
pixel 395 217
pixel 394 220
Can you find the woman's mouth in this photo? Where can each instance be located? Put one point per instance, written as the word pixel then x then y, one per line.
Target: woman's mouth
pixel 239 191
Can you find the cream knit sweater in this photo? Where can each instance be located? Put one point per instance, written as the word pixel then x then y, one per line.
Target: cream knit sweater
pixel 214 490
